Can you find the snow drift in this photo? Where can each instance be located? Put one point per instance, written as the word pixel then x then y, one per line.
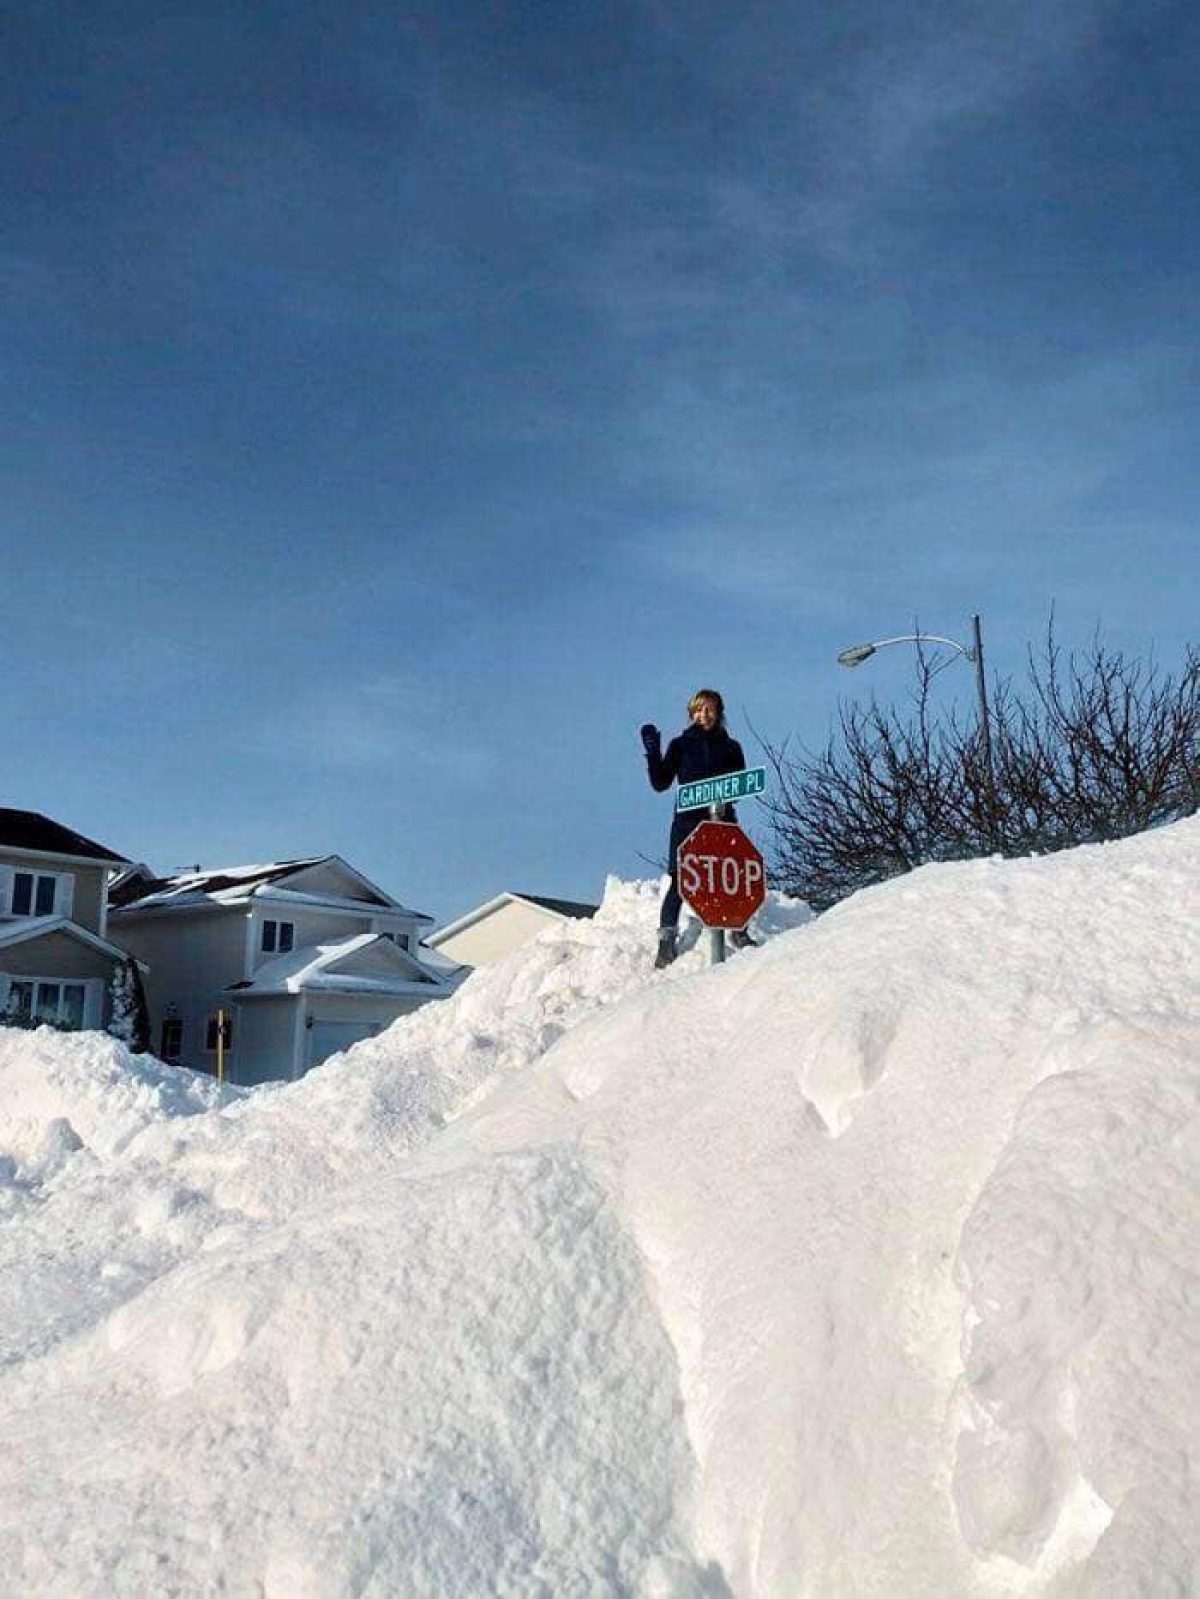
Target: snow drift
pixel 864 1264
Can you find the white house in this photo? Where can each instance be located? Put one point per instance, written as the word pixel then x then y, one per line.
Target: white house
pixel 304 957
pixel 56 959
pixel 491 931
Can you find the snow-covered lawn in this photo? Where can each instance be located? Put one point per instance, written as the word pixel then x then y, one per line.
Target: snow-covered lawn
pixel 865 1264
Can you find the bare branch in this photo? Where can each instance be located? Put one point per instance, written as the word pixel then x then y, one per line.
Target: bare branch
pixel 1095 747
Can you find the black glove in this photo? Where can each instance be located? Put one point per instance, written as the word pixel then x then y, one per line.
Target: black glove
pixel 651 739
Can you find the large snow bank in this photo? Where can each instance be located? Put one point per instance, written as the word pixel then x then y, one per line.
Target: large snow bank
pixel 864 1264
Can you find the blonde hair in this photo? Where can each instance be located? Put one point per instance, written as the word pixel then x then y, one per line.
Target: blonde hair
pixel 707 694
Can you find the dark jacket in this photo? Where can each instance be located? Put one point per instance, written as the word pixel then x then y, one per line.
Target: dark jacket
pixel 695 755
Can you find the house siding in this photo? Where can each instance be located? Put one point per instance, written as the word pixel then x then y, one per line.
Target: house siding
pixel 324 927
pixel 192 956
pixel 264 1040
pixel 87 907
pixel 312 927
pixel 380 1009
pixel 497 934
pixel 329 878
pixel 55 955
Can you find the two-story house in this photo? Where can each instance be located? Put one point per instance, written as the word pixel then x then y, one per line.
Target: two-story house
pixel 56 960
pixel 303 957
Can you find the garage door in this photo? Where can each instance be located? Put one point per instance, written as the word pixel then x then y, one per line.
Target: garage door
pixel 326 1038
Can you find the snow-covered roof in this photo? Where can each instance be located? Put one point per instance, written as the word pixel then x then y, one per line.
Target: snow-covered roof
pixel 223 883
pixel 292 896
pixel 564 909
pixel 330 966
pixel 236 885
pixel 451 970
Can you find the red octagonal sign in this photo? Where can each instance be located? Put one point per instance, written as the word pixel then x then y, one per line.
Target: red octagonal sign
pixel 721 875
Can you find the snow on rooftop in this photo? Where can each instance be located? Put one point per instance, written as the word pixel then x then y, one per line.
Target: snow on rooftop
pixel 261 869
pixel 319 966
pixel 864 1264
pixel 218 881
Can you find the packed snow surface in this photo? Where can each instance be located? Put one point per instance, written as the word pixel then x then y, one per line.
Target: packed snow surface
pixel 863 1264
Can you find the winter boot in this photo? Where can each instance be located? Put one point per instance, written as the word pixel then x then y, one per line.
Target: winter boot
pixel 667 947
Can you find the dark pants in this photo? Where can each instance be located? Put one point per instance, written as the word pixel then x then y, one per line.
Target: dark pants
pixel 683 823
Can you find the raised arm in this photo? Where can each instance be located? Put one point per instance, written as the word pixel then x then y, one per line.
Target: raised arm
pixel 661 769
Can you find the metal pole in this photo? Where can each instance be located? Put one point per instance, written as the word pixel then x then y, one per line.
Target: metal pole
pixel 716 934
pixel 985 727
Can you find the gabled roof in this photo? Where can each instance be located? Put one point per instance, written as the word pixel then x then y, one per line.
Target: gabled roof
pixel 135 888
pixel 30 830
pixel 563 909
pixel 331 966
pixel 448 969
pixel 236 885
pixel 25 928
pixel 576 908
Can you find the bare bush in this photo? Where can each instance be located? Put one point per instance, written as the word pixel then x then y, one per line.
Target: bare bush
pixel 1095 746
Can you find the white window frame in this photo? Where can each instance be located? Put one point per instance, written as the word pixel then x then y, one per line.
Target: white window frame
pixel 63 894
pixel 61 984
pixel 277 946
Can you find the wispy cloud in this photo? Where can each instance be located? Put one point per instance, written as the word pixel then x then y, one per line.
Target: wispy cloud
pixel 948 469
pixel 396 727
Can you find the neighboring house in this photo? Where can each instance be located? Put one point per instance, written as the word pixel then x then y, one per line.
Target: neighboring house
pixel 304 957
pixel 492 931
pixel 56 960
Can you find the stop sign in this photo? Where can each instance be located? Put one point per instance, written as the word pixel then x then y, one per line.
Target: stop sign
pixel 721 874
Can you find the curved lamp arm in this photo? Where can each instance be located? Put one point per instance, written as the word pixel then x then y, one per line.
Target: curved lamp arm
pixel 858 653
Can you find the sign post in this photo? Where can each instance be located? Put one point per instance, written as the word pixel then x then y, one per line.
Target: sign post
pixel 722 877
pixel 222 1039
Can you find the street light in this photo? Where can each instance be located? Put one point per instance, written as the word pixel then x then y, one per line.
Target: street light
pixel 858 653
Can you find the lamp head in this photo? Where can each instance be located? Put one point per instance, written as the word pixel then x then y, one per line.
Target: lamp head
pixel 856 654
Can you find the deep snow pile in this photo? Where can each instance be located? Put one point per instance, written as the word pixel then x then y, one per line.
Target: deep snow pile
pixel 863 1265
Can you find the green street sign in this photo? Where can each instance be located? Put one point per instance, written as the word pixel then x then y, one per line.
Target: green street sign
pixel 721 790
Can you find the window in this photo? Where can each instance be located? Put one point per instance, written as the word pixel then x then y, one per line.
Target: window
pixel 20 1000
pixel 278 936
pixel 33 999
pixel 210 1040
pixel 399 939
pixel 71 1008
pixel 33 894
pixel 171 1046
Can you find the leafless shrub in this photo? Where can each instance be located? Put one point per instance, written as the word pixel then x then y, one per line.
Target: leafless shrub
pixel 1095 746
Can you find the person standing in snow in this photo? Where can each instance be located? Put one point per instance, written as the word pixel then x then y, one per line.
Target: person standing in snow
pixel 704 749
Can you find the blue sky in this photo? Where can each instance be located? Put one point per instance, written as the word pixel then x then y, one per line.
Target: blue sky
pixel 401 403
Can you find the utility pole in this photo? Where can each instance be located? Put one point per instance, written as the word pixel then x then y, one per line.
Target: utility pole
pixel 985 731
